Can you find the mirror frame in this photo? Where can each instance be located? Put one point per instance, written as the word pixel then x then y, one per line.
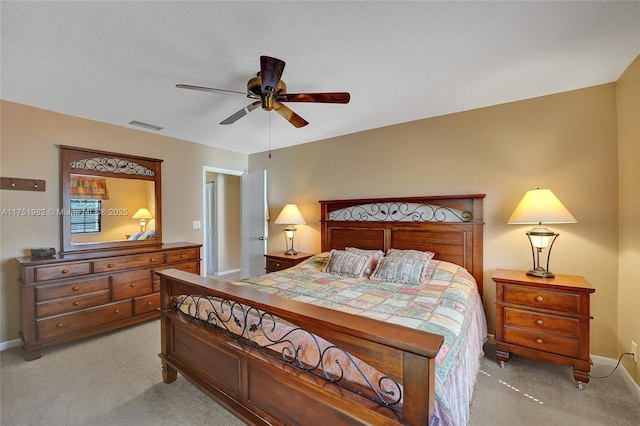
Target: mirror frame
pixel 107 164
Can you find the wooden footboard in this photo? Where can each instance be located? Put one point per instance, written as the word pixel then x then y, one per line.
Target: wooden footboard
pixel 261 389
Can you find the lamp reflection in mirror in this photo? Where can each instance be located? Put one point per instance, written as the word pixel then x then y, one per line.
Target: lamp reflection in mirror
pixel 540 206
pixel 290 216
pixel 144 215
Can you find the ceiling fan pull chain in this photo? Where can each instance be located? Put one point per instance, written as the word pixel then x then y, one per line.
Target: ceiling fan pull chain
pixel 269 135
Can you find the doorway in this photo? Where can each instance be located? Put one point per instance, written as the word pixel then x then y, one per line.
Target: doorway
pixel 221 227
pixel 234 226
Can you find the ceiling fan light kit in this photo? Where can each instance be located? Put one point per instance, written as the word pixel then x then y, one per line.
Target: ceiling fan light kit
pixel 269 92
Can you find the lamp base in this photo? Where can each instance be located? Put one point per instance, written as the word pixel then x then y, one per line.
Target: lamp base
pixel 540 273
pixel 291 252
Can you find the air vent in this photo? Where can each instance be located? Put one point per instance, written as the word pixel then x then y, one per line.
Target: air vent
pixel 146 125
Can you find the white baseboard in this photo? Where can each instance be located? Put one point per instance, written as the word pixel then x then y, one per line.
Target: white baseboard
pixel 9 344
pixel 627 377
pixel 231 271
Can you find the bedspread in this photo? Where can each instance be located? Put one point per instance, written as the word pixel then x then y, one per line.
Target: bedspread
pixel 448 304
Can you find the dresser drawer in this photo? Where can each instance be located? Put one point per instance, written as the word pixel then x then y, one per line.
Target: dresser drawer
pixel 146 304
pixel 543 323
pixel 70 304
pixel 529 296
pixel 64 270
pixel 542 342
pixel 126 285
pixel 77 321
pixel 58 291
pixel 179 255
pixel 128 262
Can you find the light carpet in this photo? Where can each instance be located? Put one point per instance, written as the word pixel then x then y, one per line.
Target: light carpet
pixel 116 379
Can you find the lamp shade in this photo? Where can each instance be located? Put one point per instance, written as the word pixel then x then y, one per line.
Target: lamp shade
pixel 290 215
pixel 142 214
pixel 540 206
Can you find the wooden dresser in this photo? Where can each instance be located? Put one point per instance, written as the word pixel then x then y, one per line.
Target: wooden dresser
pixel 72 296
pixel 546 319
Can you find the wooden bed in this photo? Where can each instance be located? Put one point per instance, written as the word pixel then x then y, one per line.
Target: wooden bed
pixel 261 389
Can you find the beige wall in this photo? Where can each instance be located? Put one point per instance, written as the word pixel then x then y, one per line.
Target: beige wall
pixel 566 142
pixel 28 149
pixel 628 95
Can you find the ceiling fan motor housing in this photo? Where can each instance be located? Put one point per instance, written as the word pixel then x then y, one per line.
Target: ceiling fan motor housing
pixel 254 87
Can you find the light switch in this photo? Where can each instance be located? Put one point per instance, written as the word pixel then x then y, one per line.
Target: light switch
pixel 196 224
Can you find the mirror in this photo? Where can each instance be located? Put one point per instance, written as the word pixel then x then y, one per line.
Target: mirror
pixel 109 200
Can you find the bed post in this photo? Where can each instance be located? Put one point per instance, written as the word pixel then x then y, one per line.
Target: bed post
pixel 169 374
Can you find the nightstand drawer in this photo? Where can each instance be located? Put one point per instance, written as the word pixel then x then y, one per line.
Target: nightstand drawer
pixel 542 342
pixel 542 299
pixel 279 264
pixel 543 323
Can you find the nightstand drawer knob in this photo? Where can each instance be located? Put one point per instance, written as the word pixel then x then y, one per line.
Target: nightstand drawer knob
pixel 539 298
pixel 539 341
pixel 278 265
pixel 539 322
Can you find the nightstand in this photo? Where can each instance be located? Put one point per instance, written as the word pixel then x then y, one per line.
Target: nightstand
pixel 545 319
pixel 279 261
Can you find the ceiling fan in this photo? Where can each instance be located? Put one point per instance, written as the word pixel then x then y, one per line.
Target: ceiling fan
pixel 270 92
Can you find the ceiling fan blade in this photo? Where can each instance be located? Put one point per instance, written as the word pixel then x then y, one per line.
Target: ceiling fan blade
pixel 289 115
pixel 209 89
pixel 244 111
pixel 329 97
pixel 270 72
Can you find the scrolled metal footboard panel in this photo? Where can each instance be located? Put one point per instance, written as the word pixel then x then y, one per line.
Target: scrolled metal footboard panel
pixel 282 340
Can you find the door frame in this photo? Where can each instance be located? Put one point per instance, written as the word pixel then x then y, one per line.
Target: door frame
pixel 205 220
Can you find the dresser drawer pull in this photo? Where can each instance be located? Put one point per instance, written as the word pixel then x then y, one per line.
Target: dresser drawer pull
pixel 64 271
pixel 76 303
pixel 539 341
pixel 539 298
pixel 182 256
pixel 109 265
pixel 60 325
pixel 117 311
pixel 132 285
pixel 539 322
pixel 75 288
pixel 149 303
pixel 152 260
pixel 277 264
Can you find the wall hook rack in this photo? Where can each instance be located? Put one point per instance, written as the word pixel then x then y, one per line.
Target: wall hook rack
pixel 22 184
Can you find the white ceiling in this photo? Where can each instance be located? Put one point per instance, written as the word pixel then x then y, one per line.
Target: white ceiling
pixel 116 61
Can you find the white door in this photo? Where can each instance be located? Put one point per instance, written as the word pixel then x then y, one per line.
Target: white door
pixel 254 223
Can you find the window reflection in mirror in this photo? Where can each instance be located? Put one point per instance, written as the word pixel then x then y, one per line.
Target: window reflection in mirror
pixel 111 219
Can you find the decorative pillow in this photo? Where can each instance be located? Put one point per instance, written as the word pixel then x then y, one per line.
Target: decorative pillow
pixel 347 264
pixel 149 235
pixel 401 270
pixel 414 254
pixel 376 255
pixel 411 254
